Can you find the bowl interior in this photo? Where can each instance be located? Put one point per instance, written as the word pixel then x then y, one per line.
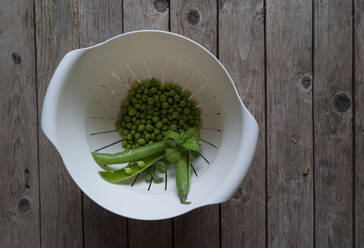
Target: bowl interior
pixel 89 105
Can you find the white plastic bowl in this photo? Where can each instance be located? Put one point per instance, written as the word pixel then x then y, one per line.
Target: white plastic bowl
pixel 85 87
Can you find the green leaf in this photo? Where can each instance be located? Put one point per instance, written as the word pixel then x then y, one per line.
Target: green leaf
pixel 157 179
pixel 192 133
pixel 191 145
pixel 149 174
pixel 160 166
pixel 178 138
pixel 173 155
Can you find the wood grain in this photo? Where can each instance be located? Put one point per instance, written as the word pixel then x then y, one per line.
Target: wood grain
pixel 100 20
pixel 333 124
pixel 197 20
pixel 289 123
pixel 61 211
pixel 148 15
pixel 19 184
pixel 359 121
pixel 241 48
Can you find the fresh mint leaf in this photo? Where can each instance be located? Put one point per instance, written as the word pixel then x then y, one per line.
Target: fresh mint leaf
pixel 161 166
pixel 192 133
pixel 178 138
pixel 173 155
pixel 191 145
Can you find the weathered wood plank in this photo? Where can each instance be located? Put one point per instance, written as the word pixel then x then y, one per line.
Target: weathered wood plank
pixel 197 20
pixel 241 48
pixel 61 211
pixel 289 123
pixel 333 124
pixel 359 121
pixel 148 15
pixel 19 184
pixel 100 20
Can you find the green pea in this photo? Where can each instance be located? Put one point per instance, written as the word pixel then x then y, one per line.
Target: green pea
pixel 165 105
pixel 187 111
pixel 134 127
pixel 182 103
pixel 159 124
pixel 153 90
pixel 152 136
pixel 129 125
pixel 149 128
pixel 173 127
pixel 124 143
pixel 181 122
pixel 170 100
pixel 137 136
pixel 133 132
pixel 155 119
pixel 127 118
pixel 164 120
pixel 177 98
pixel 143 121
pixel 172 92
pixel 150 101
pixel 134 119
pixel 141 128
pixel 156 98
pixel 125 132
pixel 128 146
pixel 175 115
pixel 159 137
pixel 128 171
pixel 157 131
pixel 163 98
pixel 164 128
pixel 140 164
pixel 144 98
pixel 129 137
pixel 141 141
pixel 149 121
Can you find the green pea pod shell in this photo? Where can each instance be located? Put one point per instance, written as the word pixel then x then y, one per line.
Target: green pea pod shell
pixel 183 174
pixel 131 170
pixel 129 155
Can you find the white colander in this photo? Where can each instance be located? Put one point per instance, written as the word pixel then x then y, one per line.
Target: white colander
pixel 82 103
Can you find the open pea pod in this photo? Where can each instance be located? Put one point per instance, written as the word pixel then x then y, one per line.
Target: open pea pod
pixel 131 170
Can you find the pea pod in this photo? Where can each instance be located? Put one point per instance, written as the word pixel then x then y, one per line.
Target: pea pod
pixel 131 170
pixel 183 172
pixel 130 155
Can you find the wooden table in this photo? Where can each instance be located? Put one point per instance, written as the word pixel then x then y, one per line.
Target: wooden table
pixel 299 67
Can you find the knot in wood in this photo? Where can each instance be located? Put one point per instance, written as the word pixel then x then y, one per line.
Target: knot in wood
pixel 306 82
pixel 193 16
pixel 342 102
pixel 24 205
pixel 221 4
pixel 161 5
pixel 16 58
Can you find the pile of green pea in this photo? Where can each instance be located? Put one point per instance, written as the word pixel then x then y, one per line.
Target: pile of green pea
pixel 152 108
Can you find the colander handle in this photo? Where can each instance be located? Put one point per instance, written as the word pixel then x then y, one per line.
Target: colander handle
pixel 53 93
pixel 236 175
